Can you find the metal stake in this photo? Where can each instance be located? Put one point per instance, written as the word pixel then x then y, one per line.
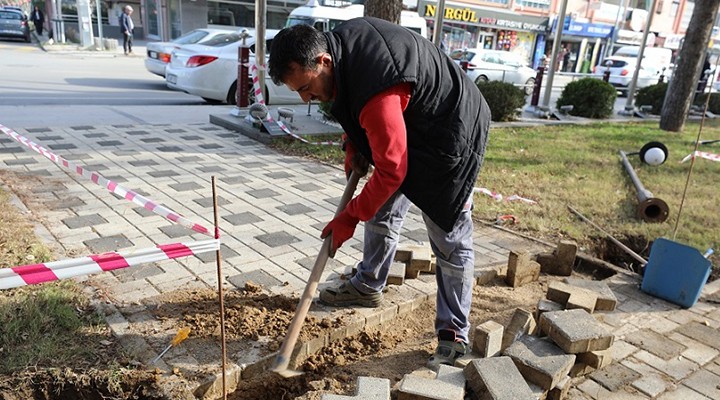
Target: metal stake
pixel 220 290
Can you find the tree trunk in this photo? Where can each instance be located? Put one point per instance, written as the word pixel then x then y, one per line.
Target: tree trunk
pixel 688 65
pixel 388 10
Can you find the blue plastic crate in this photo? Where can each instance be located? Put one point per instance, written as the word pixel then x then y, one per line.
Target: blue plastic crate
pixel 675 272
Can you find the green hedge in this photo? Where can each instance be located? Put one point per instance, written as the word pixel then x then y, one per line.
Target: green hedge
pixel 653 95
pixel 590 98
pixel 503 98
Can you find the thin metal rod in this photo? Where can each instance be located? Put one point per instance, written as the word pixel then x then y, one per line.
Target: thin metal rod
pixel 617 242
pixel 221 295
pixel 692 159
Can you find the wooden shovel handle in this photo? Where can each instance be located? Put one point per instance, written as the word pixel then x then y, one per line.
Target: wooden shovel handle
pixel 283 358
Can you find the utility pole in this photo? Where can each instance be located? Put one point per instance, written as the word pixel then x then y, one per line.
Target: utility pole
pixel 437 31
pixel 629 107
pixel 622 11
pixel 555 49
pixel 260 20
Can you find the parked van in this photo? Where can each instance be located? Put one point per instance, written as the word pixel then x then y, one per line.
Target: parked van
pixel 325 18
pixel 657 57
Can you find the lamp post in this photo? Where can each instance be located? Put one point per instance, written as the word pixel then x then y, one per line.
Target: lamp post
pixel 437 31
pixel 555 49
pixel 613 39
pixel 629 108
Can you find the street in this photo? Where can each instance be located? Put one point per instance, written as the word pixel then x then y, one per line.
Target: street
pixel 65 89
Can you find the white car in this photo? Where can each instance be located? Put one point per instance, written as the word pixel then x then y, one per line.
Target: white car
pixel 158 53
pixel 496 65
pixel 622 70
pixel 210 70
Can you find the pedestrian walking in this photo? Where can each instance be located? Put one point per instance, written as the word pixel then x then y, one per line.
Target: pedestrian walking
pixel 38 19
pixel 410 111
pixel 127 26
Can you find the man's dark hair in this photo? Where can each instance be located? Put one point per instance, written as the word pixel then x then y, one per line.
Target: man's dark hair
pixel 298 43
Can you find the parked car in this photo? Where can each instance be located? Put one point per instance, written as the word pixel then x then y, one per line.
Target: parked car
pixel 158 53
pixel 210 70
pixel 14 24
pixel 496 65
pixel 622 70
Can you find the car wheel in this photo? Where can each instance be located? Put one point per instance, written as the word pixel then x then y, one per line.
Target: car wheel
pixel 231 94
pixel 481 79
pixel 529 86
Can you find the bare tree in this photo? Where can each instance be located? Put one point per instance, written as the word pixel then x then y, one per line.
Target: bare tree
pixel 389 10
pixel 688 65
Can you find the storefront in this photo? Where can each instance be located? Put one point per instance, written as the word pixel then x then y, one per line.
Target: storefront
pixel 488 28
pixel 582 45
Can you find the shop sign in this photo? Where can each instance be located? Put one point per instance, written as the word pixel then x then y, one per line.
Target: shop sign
pixel 484 17
pixel 588 29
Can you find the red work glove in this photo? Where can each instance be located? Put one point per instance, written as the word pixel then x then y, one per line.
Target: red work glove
pixel 342 228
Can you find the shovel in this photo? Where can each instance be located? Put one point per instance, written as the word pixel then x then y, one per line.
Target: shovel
pixel 283 358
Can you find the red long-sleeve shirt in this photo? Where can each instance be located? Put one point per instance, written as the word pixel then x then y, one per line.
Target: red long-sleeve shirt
pixel 382 119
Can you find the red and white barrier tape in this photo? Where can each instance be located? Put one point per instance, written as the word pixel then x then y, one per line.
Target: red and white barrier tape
pixel 39 273
pixel 260 99
pixel 499 197
pixel 109 185
pixel 702 154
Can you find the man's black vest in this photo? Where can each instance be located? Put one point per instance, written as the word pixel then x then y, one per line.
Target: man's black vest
pixel 447 119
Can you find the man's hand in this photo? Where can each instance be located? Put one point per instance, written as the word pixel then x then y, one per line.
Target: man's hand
pixel 342 228
pixel 360 164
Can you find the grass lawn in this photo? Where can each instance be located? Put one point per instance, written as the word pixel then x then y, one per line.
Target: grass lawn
pixel 579 165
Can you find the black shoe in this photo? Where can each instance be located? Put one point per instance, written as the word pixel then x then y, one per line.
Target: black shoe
pixel 449 349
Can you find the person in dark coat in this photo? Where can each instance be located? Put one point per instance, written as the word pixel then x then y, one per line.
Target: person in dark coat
pixel 412 113
pixel 38 19
pixel 127 26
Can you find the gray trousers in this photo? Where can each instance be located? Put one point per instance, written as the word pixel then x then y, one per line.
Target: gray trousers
pixel 455 261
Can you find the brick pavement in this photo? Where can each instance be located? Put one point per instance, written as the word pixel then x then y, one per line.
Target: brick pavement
pixel 272 209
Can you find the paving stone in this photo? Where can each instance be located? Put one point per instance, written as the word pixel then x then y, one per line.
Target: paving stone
pixel 152 140
pixel 520 269
pixel 253 165
pixel 137 133
pixel 521 323
pixel 232 180
pixel 207 202
pixel 21 161
pixel 257 276
pixel 211 168
pixel 295 209
pixel 560 391
pixel 163 174
pixel 108 243
pixel 170 149
pixel 545 305
pixel 225 252
pixel 656 343
pixel 678 368
pixel 702 333
pixel 191 137
pixel 596 359
pixel 38 130
pixel 137 272
pixel 307 187
pixel 185 186
pixel 108 143
pixel 175 231
pixel 682 393
pixel 696 351
pixel 277 239
pixel 84 220
pixel 575 331
pixel 143 163
pixel 448 385
pixel 487 340
pixel 563 293
pixel 211 146
pixel 189 159
pixel 82 127
pixel 367 389
pixel 540 361
pixel 242 218
pixel 704 382
pixel 615 376
pixel 650 385
pixel 497 378
pixel 396 275
pixel 175 130
pixel 262 193
pixel 280 175
pixel 11 150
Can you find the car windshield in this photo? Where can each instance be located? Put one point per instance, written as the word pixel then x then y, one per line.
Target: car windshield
pixel 615 63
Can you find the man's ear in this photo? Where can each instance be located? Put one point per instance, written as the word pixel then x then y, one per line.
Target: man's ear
pixel 325 59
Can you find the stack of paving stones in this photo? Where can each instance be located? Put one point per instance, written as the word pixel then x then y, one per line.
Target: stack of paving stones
pixel 410 260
